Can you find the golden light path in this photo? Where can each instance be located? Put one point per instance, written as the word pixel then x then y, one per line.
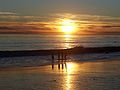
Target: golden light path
pixel 67 38
pixel 68 27
pixel 71 67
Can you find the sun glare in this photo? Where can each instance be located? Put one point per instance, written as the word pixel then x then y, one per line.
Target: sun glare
pixel 68 26
pixel 71 67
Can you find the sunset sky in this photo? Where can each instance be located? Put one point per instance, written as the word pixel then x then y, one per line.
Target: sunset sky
pixel 50 16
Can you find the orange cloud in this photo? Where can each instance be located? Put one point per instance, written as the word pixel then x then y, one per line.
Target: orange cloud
pixel 87 24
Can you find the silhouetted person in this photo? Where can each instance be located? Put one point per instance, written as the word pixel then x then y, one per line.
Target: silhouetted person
pixel 53 61
pixel 65 57
pixel 62 60
pixel 58 60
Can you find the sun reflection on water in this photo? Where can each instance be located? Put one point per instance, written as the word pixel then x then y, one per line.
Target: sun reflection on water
pixel 67 38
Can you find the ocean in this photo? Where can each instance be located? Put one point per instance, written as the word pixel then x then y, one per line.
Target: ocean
pixel 10 42
pixel 91 71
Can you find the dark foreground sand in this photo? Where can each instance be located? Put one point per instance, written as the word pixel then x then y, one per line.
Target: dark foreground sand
pixel 78 76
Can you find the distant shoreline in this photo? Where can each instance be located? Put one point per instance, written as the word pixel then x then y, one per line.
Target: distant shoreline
pixel 75 50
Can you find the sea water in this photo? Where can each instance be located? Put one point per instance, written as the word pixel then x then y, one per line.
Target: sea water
pixel 35 42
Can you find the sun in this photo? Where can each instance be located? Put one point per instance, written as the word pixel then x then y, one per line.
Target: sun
pixel 67 26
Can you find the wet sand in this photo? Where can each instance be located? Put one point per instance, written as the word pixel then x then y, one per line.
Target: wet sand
pixel 101 75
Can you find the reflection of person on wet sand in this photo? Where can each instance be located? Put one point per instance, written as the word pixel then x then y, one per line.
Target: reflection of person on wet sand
pixel 62 60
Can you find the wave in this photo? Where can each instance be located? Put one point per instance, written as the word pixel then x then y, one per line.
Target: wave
pixel 33 61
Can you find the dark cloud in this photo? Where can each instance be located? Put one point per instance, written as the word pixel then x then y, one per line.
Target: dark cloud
pixel 23 28
pixel 109 26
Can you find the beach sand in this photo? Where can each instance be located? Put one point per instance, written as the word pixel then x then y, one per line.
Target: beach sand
pixel 100 75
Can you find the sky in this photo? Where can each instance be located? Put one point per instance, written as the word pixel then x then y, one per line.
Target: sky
pixel 43 16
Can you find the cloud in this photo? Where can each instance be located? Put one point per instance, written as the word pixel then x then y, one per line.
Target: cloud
pixel 23 28
pixel 86 23
pixel 7 13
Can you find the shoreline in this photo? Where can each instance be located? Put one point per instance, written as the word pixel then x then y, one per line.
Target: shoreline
pixel 49 66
